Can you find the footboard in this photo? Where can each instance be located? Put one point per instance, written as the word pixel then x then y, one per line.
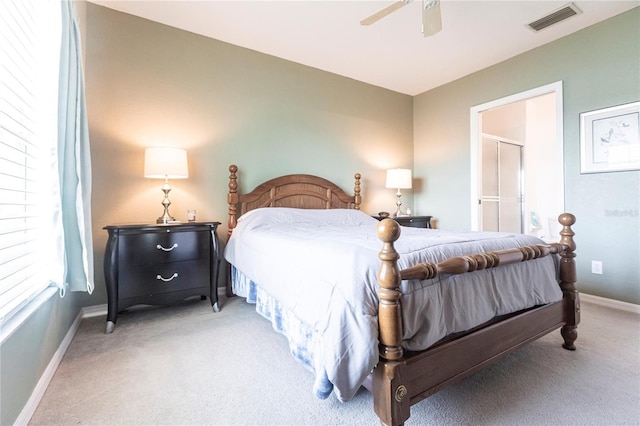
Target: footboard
pixel 400 380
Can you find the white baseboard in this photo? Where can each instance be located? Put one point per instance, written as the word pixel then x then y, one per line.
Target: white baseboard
pixel 610 303
pixel 94 311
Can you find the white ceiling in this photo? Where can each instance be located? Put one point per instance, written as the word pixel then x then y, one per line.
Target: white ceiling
pixel 392 53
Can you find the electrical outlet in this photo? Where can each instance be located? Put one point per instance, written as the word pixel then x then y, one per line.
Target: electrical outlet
pixel 596 267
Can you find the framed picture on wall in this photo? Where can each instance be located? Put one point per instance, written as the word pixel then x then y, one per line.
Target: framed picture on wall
pixel 610 139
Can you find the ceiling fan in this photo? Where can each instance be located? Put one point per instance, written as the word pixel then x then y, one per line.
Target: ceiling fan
pixel 431 19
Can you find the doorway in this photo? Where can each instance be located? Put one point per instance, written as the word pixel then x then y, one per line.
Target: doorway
pixel 532 120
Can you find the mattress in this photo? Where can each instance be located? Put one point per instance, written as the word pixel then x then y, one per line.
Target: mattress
pixel 313 274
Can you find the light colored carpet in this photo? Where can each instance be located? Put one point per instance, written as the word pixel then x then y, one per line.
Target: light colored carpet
pixel 185 365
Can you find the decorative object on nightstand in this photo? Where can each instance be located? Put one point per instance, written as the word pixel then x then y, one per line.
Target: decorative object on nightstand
pixel 398 179
pixel 160 265
pixel 165 163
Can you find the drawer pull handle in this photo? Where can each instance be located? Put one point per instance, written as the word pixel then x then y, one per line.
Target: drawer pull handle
pixel 159 247
pixel 159 277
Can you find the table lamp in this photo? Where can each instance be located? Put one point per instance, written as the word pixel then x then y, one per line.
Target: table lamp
pixel 399 179
pixel 165 163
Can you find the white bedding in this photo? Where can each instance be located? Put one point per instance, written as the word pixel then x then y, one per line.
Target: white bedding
pixel 316 271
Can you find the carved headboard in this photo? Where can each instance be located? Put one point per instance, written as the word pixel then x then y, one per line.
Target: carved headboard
pixel 297 191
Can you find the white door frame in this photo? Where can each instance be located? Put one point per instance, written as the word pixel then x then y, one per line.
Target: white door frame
pixel 476 135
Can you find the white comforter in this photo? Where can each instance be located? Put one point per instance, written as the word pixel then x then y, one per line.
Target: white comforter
pixel 321 266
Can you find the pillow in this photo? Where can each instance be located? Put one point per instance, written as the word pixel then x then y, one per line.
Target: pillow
pixel 273 215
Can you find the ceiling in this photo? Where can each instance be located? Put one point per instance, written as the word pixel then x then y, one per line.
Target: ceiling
pixel 392 53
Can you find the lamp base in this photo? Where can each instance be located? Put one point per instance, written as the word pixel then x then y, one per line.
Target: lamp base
pixel 165 220
pixel 166 217
pixel 398 204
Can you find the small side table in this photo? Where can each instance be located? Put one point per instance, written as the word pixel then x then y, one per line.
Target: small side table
pixel 160 265
pixel 412 221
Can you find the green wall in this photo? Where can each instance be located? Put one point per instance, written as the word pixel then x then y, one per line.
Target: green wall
pixel 599 67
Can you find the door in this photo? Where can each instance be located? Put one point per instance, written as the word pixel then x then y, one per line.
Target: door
pixel 501 198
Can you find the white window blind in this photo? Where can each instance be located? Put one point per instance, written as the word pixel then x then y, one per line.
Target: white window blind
pixel 28 107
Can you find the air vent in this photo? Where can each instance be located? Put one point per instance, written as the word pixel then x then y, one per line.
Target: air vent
pixel 565 12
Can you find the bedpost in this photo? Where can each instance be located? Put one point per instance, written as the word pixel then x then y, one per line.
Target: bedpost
pixel 390 393
pixel 356 192
pixel 389 312
pixel 568 282
pixel 232 199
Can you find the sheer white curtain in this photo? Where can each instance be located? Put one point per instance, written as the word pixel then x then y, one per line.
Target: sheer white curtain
pixel 74 159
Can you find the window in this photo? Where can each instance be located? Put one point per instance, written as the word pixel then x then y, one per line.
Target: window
pixel 29 47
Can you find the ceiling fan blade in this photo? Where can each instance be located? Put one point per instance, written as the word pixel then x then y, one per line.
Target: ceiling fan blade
pixel 431 18
pixel 384 12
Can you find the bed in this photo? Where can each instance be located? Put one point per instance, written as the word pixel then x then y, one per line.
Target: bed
pixel 401 311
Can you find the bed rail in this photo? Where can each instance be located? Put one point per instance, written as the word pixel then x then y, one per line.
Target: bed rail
pixel 389 277
pixel 476 262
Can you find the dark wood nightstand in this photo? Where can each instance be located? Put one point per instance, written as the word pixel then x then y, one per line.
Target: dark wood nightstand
pixel 412 221
pixel 160 265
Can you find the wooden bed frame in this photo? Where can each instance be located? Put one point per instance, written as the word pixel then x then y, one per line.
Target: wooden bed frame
pixel 402 379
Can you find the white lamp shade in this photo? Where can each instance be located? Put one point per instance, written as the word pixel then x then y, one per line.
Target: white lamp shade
pixel 399 178
pixel 164 162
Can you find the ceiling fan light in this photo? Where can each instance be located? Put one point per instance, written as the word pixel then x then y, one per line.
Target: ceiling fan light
pixel 430 4
pixel 431 18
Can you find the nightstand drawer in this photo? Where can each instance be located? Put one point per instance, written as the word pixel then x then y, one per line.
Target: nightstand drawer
pixel 162 247
pixel 162 278
pixel 414 221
